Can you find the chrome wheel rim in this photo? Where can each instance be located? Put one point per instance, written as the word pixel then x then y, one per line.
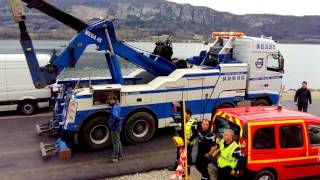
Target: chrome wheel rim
pixel 140 128
pixel 99 134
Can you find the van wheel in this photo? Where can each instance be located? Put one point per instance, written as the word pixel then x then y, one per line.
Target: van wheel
pixel 139 128
pixel 27 108
pixel 265 175
pixel 95 134
pixel 261 102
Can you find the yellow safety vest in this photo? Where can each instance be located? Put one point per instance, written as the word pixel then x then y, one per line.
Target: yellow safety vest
pixel 189 130
pixel 226 159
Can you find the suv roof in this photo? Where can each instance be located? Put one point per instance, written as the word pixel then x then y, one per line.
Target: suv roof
pixel 265 113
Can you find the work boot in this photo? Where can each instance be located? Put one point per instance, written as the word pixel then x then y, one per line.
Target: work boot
pixel 114 160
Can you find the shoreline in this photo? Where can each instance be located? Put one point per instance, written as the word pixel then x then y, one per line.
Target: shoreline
pixel 146 40
pixel 289 95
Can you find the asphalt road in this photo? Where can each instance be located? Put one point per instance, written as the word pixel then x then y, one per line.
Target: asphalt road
pixel 313 108
pixel 20 154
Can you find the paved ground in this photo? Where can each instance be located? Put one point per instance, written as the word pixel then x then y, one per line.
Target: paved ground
pixel 313 109
pixel 20 155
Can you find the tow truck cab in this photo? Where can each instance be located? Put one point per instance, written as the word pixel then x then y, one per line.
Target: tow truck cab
pixel 277 143
pixel 263 57
pixel 265 68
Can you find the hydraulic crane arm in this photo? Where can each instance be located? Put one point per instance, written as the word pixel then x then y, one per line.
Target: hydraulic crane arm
pixel 100 33
pixel 40 76
pixel 56 13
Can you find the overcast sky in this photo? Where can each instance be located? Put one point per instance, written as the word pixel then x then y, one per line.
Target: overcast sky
pixel 283 7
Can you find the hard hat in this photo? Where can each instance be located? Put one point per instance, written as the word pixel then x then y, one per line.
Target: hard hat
pixel 178 141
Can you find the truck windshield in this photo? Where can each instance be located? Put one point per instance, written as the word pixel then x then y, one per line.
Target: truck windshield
pixel 220 124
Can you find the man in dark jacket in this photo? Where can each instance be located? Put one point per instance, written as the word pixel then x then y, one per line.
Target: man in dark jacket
pixel 206 140
pixel 115 125
pixel 303 96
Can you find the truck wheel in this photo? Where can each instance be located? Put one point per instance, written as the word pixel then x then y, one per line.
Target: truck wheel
pixel 225 105
pixel 265 175
pixel 139 128
pixel 95 134
pixel 261 102
pixel 27 108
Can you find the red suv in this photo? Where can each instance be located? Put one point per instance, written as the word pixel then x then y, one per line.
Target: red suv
pixel 277 143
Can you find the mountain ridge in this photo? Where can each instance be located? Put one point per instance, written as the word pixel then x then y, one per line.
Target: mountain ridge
pixel 151 19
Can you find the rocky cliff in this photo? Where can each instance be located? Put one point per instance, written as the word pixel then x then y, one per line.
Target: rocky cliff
pixel 149 19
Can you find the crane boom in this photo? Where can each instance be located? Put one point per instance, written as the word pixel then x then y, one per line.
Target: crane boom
pixel 100 33
pixel 57 14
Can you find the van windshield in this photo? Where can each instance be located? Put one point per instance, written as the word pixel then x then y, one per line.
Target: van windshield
pixel 220 124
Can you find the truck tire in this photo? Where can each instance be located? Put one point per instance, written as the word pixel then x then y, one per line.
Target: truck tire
pixel 225 105
pixel 95 134
pixel 261 102
pixel 139 128
pixel 265 174
pixel 27 108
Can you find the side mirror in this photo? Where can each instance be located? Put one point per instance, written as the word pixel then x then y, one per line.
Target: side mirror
pixel 281 63
pixel 276 56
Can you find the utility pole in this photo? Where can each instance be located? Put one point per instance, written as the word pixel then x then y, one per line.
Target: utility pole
pixel 183 115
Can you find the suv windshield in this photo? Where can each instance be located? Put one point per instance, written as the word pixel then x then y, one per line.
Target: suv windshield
pixel 220 124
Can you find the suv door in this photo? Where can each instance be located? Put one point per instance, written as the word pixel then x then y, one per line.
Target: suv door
pixel 292 153
pixel 262 146
pixel 3 88
pixel 314 149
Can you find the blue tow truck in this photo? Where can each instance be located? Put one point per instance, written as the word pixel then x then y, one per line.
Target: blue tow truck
pixel 234 70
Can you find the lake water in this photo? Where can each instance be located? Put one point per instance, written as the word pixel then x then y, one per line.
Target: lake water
pixel 300 59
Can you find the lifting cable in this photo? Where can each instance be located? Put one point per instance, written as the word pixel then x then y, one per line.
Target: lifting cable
pixel 209 98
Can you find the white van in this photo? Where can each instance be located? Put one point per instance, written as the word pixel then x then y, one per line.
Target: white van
pixel 17 91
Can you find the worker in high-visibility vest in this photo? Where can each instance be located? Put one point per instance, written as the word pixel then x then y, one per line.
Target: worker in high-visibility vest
pixel 230 159
pixel 190 128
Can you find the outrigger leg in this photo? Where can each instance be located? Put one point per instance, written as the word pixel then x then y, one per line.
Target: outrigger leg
pixel 52 127
pixel 59 147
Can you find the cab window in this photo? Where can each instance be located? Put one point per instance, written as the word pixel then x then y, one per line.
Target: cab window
pixel 264 138
pixel 291 136
pixel 314 134
pixel 273 63
pixel 220 124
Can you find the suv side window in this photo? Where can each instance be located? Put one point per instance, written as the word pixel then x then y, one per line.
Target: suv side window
pixel 221 124
pixel 264 138
pixel 291 136
pixel 314 134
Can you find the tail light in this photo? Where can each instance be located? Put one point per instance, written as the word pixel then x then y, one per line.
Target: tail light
pixel 176 107
pixel 244 146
